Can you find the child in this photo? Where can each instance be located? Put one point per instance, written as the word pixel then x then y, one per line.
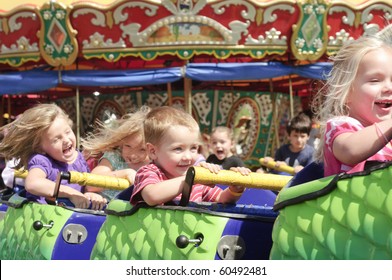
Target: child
pixel 122 147
pixel 222 145
pixel 356 112
pixel 8 174
pixel 172 141
pixel 297 153
pixel 44 143
pixel 314 134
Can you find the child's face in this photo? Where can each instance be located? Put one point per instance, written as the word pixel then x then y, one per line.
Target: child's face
pixel 59 141
pixel 370 99
pixel 177 151
pixel 298 140
pixel 133 151
pixel 221 145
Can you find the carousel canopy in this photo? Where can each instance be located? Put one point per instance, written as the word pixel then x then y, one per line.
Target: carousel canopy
pixel 40 79
pixel 129 42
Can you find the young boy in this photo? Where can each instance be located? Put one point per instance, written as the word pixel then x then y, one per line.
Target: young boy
pixel 297 153
pixel 172 142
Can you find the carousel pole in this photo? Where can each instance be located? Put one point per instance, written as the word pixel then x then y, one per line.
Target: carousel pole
pixel 215 108
pixel 188 95
pixel 272 124
pixel 169 94
pixel 139 99
pixel 77 101
pixel 291 98
pixel 272 119
pixel 9 108
pixel 275 118
pixel 2 111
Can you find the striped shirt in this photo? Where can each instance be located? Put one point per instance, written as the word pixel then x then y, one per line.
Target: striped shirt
pixel 151 174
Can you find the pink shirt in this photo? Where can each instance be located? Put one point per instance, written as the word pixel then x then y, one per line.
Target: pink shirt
pixel 335 127
pixel 151 174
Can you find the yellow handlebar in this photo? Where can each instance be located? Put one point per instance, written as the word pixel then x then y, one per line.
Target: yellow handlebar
pixel 20 173
pixel 271 164
pixel 101 181
pixel 232 178
pixel 88 179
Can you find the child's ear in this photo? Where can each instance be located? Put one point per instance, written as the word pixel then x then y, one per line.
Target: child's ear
pixel 151 151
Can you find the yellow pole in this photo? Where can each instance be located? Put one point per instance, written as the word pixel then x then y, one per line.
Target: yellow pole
pixel 231 178
pixel 88 179
pixel 271 164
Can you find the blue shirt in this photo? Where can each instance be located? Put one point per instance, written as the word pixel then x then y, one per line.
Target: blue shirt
pixel 303 157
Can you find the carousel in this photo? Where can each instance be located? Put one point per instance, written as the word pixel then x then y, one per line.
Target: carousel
pixel 223 61
pixel 246 64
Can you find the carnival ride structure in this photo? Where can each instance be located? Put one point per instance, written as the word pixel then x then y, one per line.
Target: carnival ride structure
pixel 221 60
pixel 180 230
pixel 345 216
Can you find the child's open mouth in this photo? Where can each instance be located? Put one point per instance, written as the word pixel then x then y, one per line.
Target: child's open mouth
pixel 384 104
pixel 67 150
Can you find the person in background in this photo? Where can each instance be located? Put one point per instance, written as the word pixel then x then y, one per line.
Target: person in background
pixel 8 175
pixel 222 145
pixel 203 148
pixel 297 153
pixel 8 179
pixel 314 134
pixel 43 142
pixel 242 134
pixel 354 106
pixel 172 139
pixel 120 146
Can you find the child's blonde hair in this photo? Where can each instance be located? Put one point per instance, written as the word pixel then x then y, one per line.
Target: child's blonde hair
pixel 331 99
pixel 160 119
pixel 225 129
pixel 108 137
pixel 230 134
pixel 23 136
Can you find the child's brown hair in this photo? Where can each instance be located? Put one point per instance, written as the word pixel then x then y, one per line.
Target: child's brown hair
pixel 300 123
